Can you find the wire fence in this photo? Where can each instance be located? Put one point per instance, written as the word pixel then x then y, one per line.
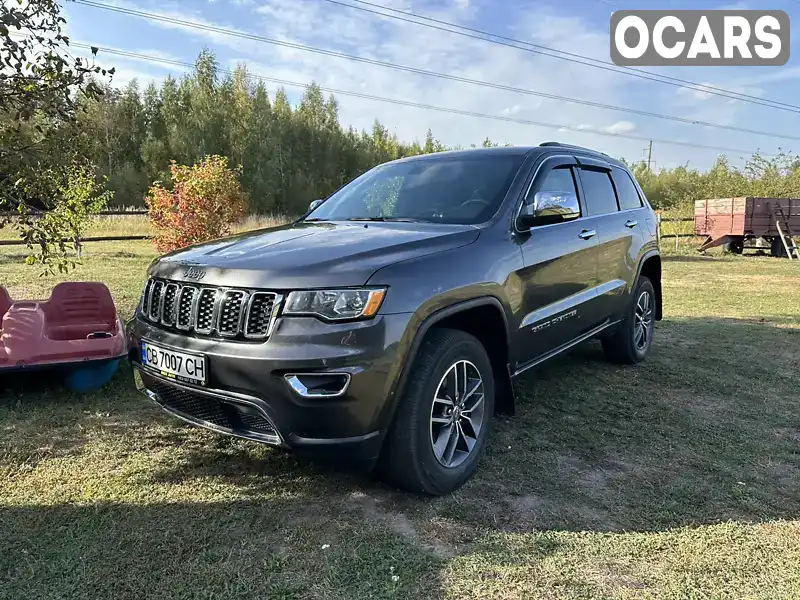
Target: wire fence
pixel 99 238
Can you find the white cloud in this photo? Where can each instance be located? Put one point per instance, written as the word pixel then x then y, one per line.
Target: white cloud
pixel 620 127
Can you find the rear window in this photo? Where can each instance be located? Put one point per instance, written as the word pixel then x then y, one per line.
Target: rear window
pixel 626 192
pixel 445 190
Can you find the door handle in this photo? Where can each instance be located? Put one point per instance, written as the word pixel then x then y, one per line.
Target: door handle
pixel 630 224
pixel 587 233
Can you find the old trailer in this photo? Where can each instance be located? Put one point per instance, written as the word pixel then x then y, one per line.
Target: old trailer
pixel 730 222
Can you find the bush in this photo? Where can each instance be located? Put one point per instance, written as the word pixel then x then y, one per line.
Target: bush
pixel 76 197
pixel 205 200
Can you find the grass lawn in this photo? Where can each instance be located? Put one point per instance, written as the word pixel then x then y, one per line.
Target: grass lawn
pixel 676 478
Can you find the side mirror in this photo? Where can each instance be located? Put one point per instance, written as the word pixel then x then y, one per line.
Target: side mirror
pixel 314 205
pixel 548 208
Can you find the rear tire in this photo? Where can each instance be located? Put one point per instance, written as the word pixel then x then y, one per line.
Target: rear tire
pixel 420 454
pixel 735 246
pixel 631 341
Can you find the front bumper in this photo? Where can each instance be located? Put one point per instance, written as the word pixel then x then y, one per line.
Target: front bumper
pixel 249 395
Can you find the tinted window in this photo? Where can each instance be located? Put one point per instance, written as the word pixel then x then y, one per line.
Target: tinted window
pixel 626 191
pixel 440 190
pixel 598 191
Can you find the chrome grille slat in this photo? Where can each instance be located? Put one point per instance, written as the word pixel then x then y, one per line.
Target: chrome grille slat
pixel 259 314
pixel 211 311
pixel 169 295
pixel 204 312
pixel 186 300
pixel 154 309
pixel 230 312
pixel 146 297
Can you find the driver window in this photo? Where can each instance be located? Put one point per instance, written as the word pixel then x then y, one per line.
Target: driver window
pixel 557 180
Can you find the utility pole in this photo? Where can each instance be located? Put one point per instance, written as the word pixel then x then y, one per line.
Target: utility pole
pixel 649 155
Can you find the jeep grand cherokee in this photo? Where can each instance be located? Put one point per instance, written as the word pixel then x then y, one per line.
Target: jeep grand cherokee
pixel 385 325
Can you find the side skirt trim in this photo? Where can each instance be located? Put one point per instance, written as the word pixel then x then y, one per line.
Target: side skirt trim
pixel 589 334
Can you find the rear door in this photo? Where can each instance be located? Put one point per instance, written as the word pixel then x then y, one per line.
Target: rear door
pixel 605 189
pixel 560 270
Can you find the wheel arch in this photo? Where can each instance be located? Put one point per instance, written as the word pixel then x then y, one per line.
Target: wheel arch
pixel 472 317
pixel 650 267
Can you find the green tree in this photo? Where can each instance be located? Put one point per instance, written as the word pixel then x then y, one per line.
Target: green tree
pixel 40 90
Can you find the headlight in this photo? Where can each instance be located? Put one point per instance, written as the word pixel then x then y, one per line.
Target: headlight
pixel 335 305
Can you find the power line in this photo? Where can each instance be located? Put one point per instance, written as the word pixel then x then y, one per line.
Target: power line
pixel 254 37
pixel 399 102
pixel 564 55
pixel 576 58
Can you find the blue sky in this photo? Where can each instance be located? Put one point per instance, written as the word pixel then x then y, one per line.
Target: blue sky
pixel 578 26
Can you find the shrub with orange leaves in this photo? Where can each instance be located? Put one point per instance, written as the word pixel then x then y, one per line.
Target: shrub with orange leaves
pixel 205 200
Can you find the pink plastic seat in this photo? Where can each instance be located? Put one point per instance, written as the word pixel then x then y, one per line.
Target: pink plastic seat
pixel 5 302
pixel 77 309
pixel 77 328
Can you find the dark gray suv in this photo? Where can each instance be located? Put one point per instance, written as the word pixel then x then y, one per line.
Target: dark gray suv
pixel 385 326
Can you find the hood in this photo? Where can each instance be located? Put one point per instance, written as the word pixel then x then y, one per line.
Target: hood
pixel 309 255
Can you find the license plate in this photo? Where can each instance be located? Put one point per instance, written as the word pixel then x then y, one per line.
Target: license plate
pixel 181 366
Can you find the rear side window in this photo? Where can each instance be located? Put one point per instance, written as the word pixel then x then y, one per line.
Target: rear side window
pixel 626 191
pixel 598 191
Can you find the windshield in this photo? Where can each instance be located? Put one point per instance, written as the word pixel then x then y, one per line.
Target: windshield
pixel 450 190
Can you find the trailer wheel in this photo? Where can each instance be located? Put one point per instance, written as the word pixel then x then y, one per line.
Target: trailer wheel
pixel 735 246
pixel 776 248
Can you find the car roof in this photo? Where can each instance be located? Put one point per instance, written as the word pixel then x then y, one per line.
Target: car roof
pixel 546 147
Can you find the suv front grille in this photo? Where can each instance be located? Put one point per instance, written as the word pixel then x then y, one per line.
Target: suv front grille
pixel 210 311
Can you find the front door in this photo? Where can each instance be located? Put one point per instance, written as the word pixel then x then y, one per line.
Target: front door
pixel 559 273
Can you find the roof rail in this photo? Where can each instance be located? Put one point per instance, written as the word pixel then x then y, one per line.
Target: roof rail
pixel 562 145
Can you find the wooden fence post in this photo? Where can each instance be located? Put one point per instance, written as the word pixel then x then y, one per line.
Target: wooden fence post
pixel 658 228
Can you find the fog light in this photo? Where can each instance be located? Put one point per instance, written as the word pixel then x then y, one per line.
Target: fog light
pixel 318 385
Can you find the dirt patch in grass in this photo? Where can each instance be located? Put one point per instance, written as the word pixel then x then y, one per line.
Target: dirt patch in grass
pixel 371 509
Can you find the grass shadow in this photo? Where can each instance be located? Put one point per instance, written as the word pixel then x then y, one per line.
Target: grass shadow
pixel 276 548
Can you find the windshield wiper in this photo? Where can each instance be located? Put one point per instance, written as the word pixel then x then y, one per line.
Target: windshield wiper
pixel 384 219
pixel 315 219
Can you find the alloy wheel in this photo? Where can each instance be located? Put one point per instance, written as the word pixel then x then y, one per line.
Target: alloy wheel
pixel 643 321
pixel 457 414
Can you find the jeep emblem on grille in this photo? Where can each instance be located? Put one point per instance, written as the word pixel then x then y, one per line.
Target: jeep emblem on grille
pixel 194 273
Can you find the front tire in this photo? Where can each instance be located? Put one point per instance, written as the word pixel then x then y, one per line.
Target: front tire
pixel 633 338
pixel 442 422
